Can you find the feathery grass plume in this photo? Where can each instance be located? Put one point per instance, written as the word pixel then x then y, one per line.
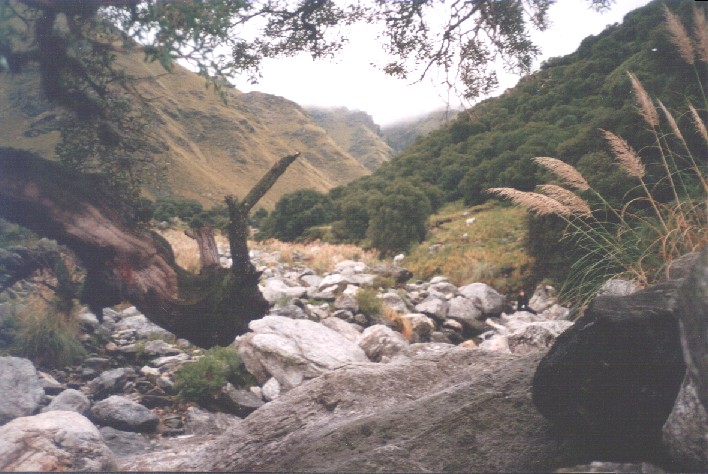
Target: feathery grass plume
pixel 646 105
pixel 534 202
pixel 679 36
pixel 671 120
pixel 700 126
pixel 564 171
pixel 625 154
pixel 700 33
pixel 569 199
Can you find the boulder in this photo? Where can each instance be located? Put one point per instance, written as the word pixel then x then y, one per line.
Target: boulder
pixel 159 347
pixel 544 296
pixel 433 306
pixel 69 400
pixel 399 274
pixel 449 410
pixel 393 301
pixel 381 343
pixel 275 290
pixel 271 390
pixel 53 441
pixel 618 287
pixel 466 313
pixel 20 388
pixel 124 414
pixel 124 443
pixel 202 422
pixel 614 375
pixel 350 267
pixel 536 336
pixel 421 326
pixel 685 434
pixel 347 302
pixel 342 327
pixel 143 328
pixel 294 350
pixel 486 298
pixel 238 401
pixel 110 382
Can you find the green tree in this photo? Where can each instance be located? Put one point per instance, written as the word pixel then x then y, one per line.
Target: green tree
pixel 296 212
pixel 398 218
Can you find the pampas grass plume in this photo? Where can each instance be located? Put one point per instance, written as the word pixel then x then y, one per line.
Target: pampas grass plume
pixel 625 154
pixel 564 171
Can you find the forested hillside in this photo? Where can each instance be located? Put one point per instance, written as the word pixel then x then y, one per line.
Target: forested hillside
pixel 401 135
pixel 555 112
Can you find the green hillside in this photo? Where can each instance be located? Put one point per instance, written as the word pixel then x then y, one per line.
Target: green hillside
pixel 555 112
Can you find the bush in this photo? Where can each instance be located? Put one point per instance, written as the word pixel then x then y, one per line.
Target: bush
pixel 398 219
pixel 368 303
pixel 296 212
pixel 201 381
pixel 49 338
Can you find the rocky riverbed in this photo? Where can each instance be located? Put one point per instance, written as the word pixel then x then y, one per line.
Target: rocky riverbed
pixel 443 381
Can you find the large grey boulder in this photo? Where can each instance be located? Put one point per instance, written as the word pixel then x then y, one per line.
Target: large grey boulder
pixel 465 312
pixel 433 306
pixel 124 414
pixel 486 298
pixel 452 410
pixel 124 443
pixel 53 441
pixel 685 433
pixel 69 400
pixel 614 375
pixel 293 351
pixel 20 388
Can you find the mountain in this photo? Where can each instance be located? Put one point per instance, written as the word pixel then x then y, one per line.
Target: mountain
pixel 356 132
pixel 401 135
pixel 210 148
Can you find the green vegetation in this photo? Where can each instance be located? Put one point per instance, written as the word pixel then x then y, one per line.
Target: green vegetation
pixel 491 250
pixel 296 212
pixel 368 303
pixel 201 381
pixel 46 335
pixel 557 111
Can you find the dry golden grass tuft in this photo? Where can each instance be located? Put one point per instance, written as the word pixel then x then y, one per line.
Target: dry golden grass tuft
pixel 318 256
pixel 185 249
pixel 564 171
pixel 403 325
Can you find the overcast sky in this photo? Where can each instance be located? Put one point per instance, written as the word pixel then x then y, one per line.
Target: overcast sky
pixel 351 81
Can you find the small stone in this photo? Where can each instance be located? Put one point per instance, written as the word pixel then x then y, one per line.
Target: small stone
pixel 271 389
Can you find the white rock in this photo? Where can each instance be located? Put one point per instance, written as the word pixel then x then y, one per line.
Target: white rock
pixel 381 342
pixel 438 279
pixel 497 343
pixel 271 389
pixel 433 306
pixel 421 325
pixel 342 327
pixel 20 390
pixel 294 350
pixel 349 267
pixel 53 441
pixel 393 301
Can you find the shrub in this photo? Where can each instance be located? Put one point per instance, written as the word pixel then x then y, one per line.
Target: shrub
pixel 48 337
pixel 296 212
pixel 397 220
pixel 200 381
pixel 369 304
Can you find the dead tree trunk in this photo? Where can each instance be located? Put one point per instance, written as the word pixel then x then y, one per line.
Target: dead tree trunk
pixel 124 263
pixel 208 251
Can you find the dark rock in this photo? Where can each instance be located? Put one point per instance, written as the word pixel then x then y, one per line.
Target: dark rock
pixel 615 374
pixel 124 443
pixel 123 414
pixel 399 274
pixel 238 401
pixel 20 389
pixel 156 401
pixel 109 382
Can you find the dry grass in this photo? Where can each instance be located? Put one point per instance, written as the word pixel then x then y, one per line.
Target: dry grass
pixel 492 252
pixel 318 256
pixel 679 36
pixel 403 325
pixel 185 249
pixel 625 154
pixel 565 172
pixel 646 105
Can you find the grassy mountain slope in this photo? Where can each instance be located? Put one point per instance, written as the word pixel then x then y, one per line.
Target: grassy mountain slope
pixel 210 149
pixel 356 132
pixel 403 134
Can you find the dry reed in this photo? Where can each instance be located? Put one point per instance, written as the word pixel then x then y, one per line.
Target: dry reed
pixel 403 325
pixel 700 126
pixel 628 158
pixel 700 33
pixel 569 199
pixel 679 36
pixel 672 121
pixel 534 202
pixel 646 105
pixel 564 171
